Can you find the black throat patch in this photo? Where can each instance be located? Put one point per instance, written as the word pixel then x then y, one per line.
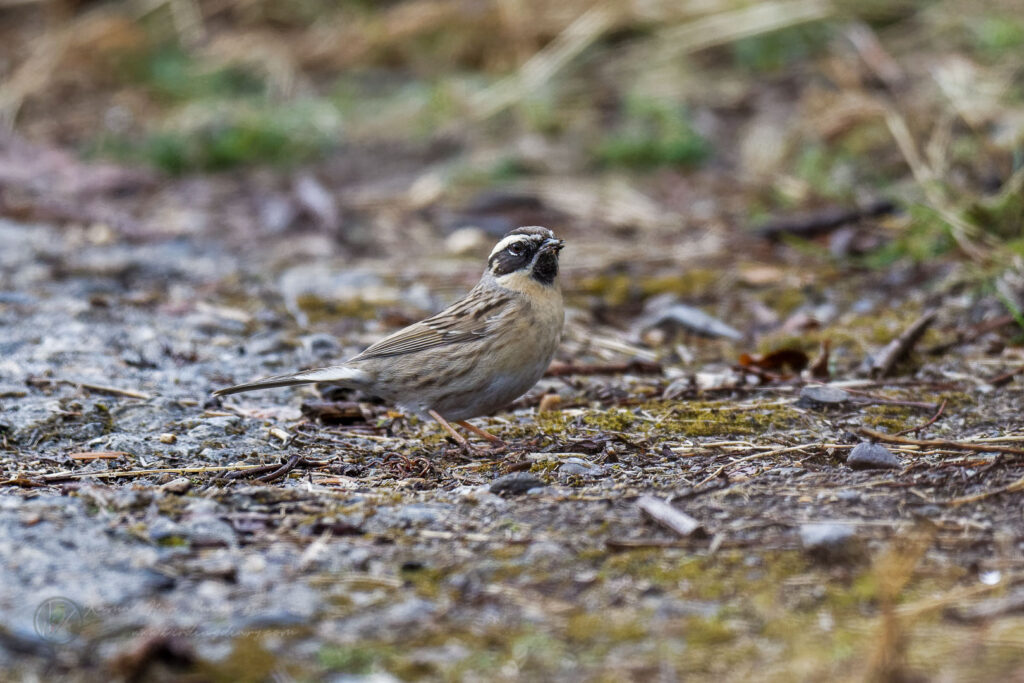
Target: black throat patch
pixel 546 269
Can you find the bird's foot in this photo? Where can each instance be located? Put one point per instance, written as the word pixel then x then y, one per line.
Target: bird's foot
pixel 495 441
pixel 497 445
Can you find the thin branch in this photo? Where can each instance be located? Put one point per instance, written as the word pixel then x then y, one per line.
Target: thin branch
pixel 61 476
pixel 929 423
pixel 941 443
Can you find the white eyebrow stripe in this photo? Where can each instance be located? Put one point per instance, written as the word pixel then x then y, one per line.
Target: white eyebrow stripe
pixel 500 246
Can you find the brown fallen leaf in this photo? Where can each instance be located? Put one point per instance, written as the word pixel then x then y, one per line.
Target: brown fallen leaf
pixel 793 360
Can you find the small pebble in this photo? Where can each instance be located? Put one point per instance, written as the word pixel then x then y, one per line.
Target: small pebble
pixel 578 467
pixel 167 437
pixel 822 396
pixel 179 485
pixel 516 482
pixel 829 542
pixel 872 456
pixel 789 471
pixel 465 241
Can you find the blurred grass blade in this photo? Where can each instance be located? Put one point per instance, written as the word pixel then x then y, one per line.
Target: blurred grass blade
pixel 540 68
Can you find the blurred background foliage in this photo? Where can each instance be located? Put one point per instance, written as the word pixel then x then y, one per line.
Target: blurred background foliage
pixel 796 103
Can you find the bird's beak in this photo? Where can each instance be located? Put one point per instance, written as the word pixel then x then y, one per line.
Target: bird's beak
pixel 552 244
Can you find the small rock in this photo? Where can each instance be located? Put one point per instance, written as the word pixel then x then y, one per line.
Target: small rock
pixel 163 529
pixel 274 343
pixel 321 344
pixel 208 531
pixel 829 541
pixel 517 482
pixel 789 471
pixel 578 467
pixel 725 379
pixel 167 437
pixel 822 396
pixel 466 241
pixel 872 456
pixel 179 485
pixel 214 566
pixel 419 514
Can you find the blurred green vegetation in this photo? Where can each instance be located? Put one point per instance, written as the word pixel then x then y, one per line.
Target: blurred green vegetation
pixel 652 133
pixel 174 76
pixel 773 51
pixel 994 35
pixel 254 132
pixel 284 83
pixel 925 237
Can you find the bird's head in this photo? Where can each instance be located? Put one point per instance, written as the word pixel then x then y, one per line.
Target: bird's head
pixel 525 253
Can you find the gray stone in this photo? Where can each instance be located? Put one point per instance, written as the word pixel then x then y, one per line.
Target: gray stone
pixel 275 343
pixel 789 472
pixel 207 530
pixel 162 529
pixel 822 396
pixel 179 485
pixel 321 345
pixel 516 482
pixel 872 456
pixel 419 514
pixel 830 542
pixel 578 467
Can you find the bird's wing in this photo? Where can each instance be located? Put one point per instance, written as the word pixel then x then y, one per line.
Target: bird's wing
pixel 466 320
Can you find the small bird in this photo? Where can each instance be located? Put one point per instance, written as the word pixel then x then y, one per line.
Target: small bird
pixel 474 357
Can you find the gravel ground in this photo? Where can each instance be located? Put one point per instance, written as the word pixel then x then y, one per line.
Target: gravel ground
pixel 384 552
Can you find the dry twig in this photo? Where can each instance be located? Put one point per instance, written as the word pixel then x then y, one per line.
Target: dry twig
pixel 1014 487
pixel 282 470
pixel 929 423
pixel 902 345
pixel 1006 377
pixel 669 517
pixel 941 443
pixel 62 476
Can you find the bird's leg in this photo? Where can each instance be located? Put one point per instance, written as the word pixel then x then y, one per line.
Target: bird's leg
pixel 459 438
pixel 480 432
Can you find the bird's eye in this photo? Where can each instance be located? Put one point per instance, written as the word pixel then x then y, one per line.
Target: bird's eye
pixel 515 249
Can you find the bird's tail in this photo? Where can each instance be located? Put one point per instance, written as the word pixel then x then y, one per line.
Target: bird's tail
pixel 339 374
